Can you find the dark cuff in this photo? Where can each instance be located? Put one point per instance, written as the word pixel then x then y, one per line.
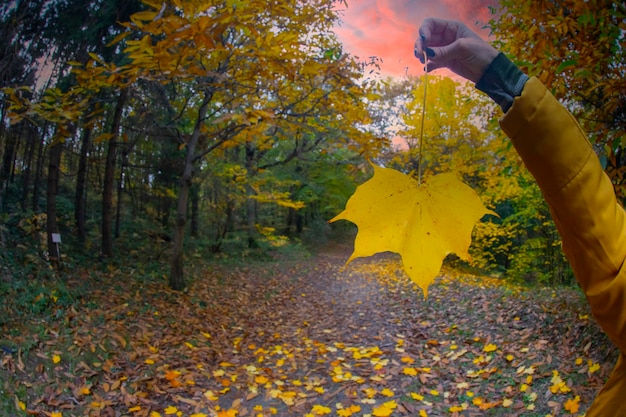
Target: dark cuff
pixel 502 81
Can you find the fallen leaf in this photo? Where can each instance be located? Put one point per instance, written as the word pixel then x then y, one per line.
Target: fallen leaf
pixel 572 405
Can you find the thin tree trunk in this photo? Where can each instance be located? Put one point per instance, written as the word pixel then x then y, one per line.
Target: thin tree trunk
pixel 195 204
pixel 80 196
pixel 54 169
pixel 28 168
pixel 38 171
pixel 250 202
pixel 7 160
pixel 177 275
pixel 109 179
pixel 118 210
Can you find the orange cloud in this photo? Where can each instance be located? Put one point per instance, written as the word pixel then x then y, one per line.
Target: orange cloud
pixel 387 29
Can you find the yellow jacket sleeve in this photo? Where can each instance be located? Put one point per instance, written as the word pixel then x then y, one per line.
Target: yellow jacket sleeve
pixel 586 212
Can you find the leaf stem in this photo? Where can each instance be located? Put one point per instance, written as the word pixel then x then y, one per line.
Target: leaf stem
pixel 419 155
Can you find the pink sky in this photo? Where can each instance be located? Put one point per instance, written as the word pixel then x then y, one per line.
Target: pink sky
pixel 387 28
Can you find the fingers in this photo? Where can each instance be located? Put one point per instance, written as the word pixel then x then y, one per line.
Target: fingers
pixel 436 32
pixel 420 49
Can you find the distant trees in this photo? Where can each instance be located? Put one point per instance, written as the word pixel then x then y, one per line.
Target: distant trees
pixel 181 93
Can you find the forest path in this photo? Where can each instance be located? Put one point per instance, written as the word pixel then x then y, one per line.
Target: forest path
pixel 310 337
pixel 363 336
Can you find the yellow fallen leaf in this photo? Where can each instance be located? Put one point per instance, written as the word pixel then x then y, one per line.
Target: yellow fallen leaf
pixel 409 371
pixel 387 392
pixel 261 379
pixel 170 410
pixel 20 404
pixel 490 347
pixel 421 222
pixel 416 396
pixel 385 409
pixel 320 410
pixel 593 367
pixel 572 405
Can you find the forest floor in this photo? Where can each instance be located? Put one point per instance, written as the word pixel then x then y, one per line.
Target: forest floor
pixel 305 337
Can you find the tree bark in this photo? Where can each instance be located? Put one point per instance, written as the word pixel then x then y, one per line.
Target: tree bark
pixel 28 166
pixel 38 172
pixel 7 160
pixel 177 276
pixel 118 210
pixel 250 202
pixel 80 196
pixel 54 170
pixel 195 208
pixel 109 179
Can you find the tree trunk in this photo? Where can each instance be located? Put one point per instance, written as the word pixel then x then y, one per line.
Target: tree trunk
pixel 7 160
pixel 54 169
pixel 195 207
pixel 250 202
pixel 109 179
pixel 118 210
pixel 38 172
pixel 80 196
pixel 177 275
pixel 28 166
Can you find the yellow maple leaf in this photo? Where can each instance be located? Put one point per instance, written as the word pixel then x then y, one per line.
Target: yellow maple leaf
pixel 387 392
pixel 421 222
pixel 385 409
pixel 320 410
pixel 490 347
pixel 261 379
pixel 169 410
pixel 593 367
pixel 172 374
pixel 409 371
pixel 416 396
pixel 572 405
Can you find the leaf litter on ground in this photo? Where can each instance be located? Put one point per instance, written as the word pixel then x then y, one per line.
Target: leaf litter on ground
pixel 310 338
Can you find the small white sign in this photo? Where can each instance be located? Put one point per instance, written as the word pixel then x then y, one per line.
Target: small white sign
pixel 56 238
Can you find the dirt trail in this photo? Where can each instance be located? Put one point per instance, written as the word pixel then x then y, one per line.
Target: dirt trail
pixel 368 320
pixel 311 337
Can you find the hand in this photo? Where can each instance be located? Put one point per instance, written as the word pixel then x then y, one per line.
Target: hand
pixel 451 44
